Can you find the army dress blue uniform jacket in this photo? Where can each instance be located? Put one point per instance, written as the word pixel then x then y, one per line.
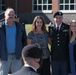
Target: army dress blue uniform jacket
pixel 20 41
pixel 60 40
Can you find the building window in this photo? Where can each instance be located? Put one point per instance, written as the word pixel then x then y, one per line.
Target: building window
pixel 2 5
pixel 67 5
pixel 42 6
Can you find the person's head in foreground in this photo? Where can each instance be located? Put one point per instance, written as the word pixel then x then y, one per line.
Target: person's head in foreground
pixel 31 55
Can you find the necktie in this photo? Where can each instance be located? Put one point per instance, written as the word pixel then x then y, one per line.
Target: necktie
pixel 58 28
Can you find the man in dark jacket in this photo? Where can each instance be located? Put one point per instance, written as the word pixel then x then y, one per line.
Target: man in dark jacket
pixel 13 39
pixel 59 33
pixel 31 56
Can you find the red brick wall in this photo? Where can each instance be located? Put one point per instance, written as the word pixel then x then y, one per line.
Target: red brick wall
pixel 9 3
pixel 55 5
pixel 25 6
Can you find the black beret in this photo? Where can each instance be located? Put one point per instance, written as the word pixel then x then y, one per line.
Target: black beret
pixel 32 51
pixel 58 13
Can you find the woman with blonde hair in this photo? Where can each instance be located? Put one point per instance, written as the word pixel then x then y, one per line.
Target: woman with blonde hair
pixel 72 47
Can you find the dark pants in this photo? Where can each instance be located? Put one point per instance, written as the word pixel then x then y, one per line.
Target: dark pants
pixel 59 68
pixel 45 67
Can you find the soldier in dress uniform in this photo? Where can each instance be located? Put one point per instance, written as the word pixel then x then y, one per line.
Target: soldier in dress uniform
pixel 59 34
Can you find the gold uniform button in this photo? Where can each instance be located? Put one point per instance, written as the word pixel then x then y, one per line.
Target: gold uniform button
pixel 57 34
pixel 58 44
pixel 65 34
pixel 58 41
pixel 57 37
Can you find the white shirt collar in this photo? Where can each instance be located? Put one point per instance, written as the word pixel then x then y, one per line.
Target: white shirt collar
pixel 58 26
pixel 27 65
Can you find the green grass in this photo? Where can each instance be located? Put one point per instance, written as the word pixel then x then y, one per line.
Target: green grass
pixel 28 28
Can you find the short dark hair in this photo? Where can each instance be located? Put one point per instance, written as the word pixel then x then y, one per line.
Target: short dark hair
pixel 32 51
pixel 58 13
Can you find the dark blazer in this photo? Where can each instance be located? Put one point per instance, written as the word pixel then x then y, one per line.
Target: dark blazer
pixel 60 40
pixel 21 40
pixel 26 71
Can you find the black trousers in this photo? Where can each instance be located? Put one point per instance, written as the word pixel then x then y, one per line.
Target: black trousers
pixel 45 67
pixel 59 68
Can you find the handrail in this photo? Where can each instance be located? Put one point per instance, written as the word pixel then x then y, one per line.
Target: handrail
pixel 2 19
pixel 1 16
pixel 2 13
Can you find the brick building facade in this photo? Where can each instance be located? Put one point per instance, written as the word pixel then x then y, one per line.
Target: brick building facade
pixel 24 9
